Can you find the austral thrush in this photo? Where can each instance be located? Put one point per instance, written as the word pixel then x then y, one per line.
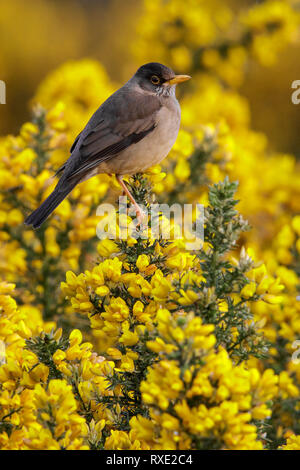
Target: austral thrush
pixel 132 130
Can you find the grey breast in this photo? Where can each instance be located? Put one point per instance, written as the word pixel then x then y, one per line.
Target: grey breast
pixel 153 148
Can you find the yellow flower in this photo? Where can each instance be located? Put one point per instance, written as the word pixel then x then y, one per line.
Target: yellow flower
pixel 116 311
pixel 129 338
pixel 248 290
pixel 142 262
pixel 107 247
pixel 292 443
pixel 59 356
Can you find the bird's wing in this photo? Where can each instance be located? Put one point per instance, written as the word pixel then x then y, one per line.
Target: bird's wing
pixel 123 120
pixel 75 142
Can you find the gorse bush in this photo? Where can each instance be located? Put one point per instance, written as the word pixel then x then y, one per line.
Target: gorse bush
pixel 173 341
pixel 138 342
pixel 37 260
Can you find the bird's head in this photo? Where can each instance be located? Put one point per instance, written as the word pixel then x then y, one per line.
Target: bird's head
pixel 157 78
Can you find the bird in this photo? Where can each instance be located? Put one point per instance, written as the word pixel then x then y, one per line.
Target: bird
pixel 134 129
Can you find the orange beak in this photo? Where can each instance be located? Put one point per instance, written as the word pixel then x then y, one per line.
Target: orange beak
pixel 178 79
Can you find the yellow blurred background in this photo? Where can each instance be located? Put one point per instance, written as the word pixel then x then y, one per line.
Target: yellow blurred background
pixel 38 36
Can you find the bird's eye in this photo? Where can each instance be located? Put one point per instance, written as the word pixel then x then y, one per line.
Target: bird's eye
pixel 155 79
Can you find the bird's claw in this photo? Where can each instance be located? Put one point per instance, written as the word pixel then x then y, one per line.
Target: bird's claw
pixel 141 217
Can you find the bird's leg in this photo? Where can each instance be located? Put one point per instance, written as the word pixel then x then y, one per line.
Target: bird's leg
pixel 139 213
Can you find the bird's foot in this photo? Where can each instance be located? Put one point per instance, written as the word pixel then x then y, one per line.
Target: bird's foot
pixel 141 217
pixel 140 214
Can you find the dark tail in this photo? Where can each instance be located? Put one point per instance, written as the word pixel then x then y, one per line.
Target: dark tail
pixel 47 207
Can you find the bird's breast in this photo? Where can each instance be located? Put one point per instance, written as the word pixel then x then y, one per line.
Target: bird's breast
pixel 152 149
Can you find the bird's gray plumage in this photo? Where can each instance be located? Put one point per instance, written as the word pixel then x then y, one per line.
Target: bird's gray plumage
pixel 123 120
pixel 132 130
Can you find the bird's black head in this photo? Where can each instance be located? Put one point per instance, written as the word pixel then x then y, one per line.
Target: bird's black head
pixel 158 78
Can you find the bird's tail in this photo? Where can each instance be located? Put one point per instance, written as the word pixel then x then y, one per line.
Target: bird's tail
pixel 47 207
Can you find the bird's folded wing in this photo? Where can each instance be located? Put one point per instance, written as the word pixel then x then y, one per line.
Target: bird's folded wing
pixel 75 142
pixel 119 123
